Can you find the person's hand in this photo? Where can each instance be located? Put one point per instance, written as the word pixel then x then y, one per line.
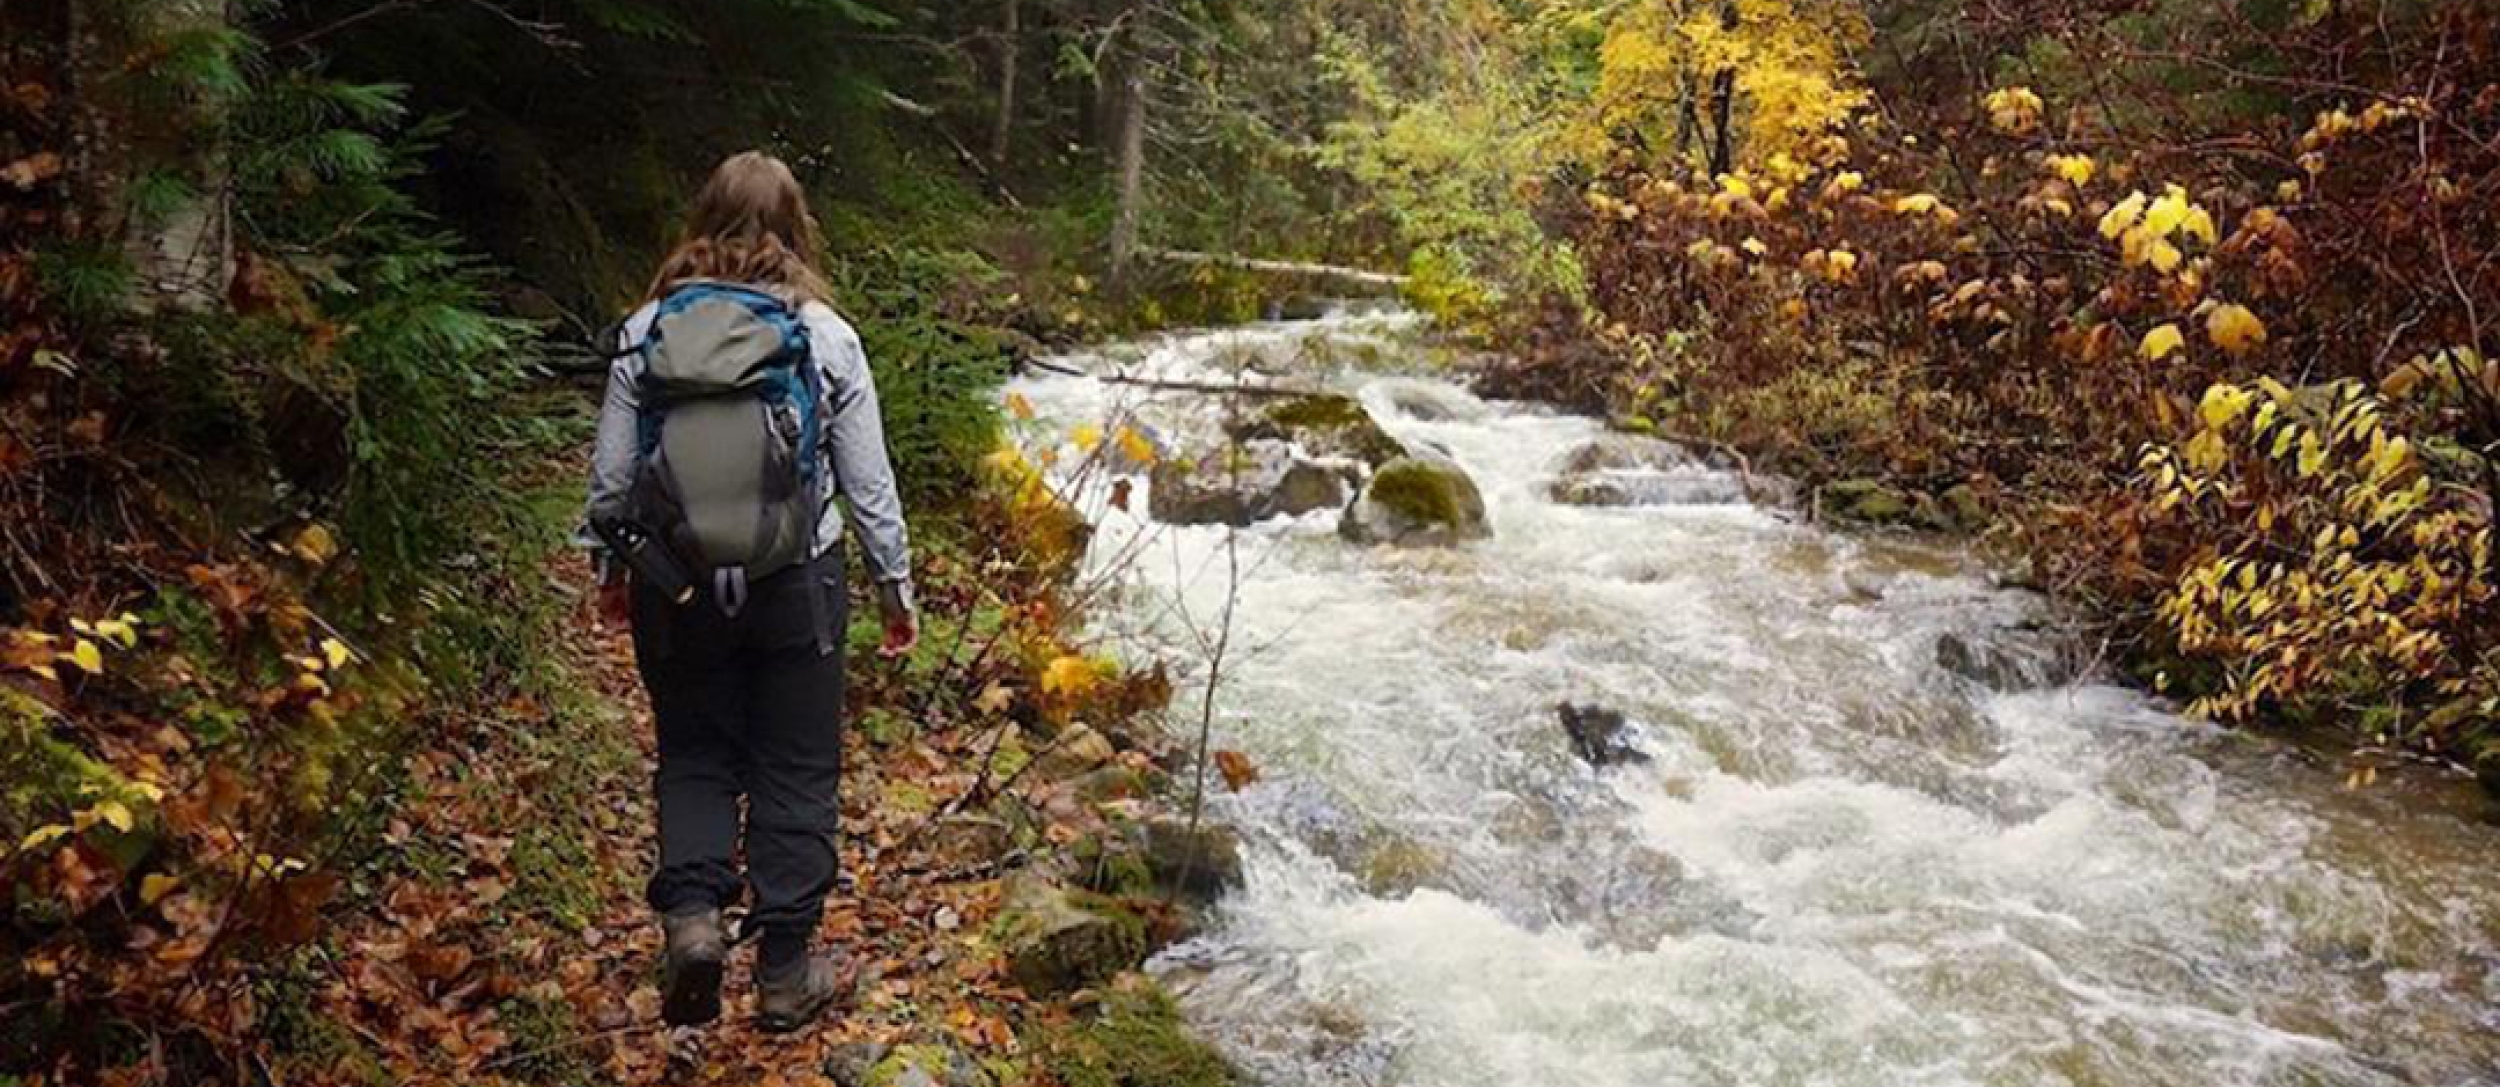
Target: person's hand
pixel 902 632
pixel 616 603
pixel 902 621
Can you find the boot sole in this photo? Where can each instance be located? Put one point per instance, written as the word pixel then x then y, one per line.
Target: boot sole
pixel 844 990
pixel 784 1024
pixel 693 996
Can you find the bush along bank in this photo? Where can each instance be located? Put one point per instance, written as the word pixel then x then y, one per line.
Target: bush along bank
pixel 2237 404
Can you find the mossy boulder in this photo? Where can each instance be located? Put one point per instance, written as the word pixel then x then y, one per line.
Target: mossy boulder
pixel 1400 867
pixel 1077 750
pixel 1327 425
pixel 1059 940
pixel 1417 502
pixel 925 1066
pixel 1136 1038
pixel 1163 856
pixel 1867 501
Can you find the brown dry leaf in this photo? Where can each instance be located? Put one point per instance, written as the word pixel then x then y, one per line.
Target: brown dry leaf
pixel 995 699
pixel 1239 772
pixel 33 170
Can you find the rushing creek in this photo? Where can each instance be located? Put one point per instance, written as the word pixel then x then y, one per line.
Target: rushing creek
pixel 1844 863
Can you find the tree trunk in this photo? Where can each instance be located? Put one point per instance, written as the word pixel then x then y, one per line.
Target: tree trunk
pixel 183 256
pixel 1723 102
pixel 1131 165
pixel 1010 46
pixel 1723 122
pixel 1687 119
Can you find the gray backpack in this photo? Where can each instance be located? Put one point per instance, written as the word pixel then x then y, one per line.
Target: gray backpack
pixel 728 478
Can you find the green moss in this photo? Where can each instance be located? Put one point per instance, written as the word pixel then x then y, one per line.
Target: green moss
pixel 41 775
pixel 544 1033
pixel 933 1060
pixel 1136 1040
pixel 1420 492
pixel 311 1044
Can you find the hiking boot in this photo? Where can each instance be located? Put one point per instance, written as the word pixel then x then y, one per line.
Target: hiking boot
pixel 789 999
pixel 690 969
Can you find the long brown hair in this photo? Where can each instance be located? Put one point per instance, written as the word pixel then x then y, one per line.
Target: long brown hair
pixel 750 225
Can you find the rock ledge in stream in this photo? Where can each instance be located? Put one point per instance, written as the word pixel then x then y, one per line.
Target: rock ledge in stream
pixel 1267 480
pixel 1417 502
pixel 1630 470
pixel 1325 425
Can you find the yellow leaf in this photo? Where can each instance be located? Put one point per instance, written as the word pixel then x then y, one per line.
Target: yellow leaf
pixel 2234 329
pixel 2161 342
pixel 2168 212
pixel 314 545
pixel 1135 447
pixel 122 630
pixel 1018 406
pixel 114 813
pixel 1068 675
pixel 155 886
pixel 2222 405
pixel 2122 218
pixel 336 652
pixel 87 657
pixel 2199 225
pixel 2164 256
pixel 1086 436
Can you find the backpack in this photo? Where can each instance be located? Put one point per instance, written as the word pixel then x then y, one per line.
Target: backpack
pixel 727 476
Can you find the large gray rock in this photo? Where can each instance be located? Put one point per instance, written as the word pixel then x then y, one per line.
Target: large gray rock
pixel 1417 502
pixel 1242 485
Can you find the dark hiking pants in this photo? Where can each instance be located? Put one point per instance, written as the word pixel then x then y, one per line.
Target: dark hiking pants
pixel 749 708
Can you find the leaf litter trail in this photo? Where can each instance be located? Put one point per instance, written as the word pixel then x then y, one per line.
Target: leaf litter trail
pixel 428 972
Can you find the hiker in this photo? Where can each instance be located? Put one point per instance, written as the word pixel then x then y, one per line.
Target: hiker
pixel 738 411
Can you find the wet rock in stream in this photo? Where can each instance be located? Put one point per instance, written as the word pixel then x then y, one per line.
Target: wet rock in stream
pixel 1599 735
pixel 1241 486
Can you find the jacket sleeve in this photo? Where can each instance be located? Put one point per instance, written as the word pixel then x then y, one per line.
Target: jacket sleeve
pixel 855 441
pixel 612 456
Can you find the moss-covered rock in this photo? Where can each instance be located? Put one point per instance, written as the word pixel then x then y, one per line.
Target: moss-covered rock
pixel 1163 856
pixel 1058 940
pixel 1866 501
pixel 1135 1039
pixel 922 1066
pixel 1326 424
pixel 1400 867
pixel 1417 502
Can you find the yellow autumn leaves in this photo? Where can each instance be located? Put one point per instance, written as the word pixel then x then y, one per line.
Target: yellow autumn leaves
pixel 2231 326
pixel 2148 229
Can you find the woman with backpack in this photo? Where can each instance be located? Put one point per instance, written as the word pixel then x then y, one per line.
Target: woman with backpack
pixel 739 432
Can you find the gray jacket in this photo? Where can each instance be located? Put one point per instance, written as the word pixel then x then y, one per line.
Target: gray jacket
pixel 854 446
